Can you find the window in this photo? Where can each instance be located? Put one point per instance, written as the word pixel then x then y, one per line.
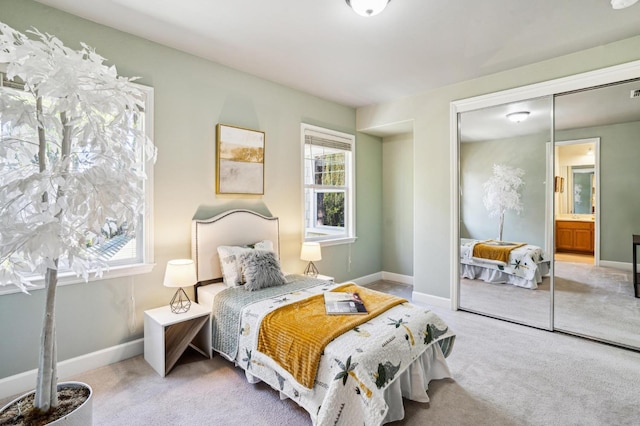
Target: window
pixel 125 255
pixel 329 182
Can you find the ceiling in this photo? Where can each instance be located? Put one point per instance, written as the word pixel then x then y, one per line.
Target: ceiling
pixel 601 106
pixel 322 47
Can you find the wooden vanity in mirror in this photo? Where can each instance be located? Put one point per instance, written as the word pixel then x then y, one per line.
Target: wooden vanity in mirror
pixel 575 236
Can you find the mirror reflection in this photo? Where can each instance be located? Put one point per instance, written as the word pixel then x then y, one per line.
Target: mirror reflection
pixel 598 213
pixel 504 252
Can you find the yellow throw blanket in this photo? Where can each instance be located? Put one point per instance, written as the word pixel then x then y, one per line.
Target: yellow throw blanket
pixel 495 250
pixel 295 335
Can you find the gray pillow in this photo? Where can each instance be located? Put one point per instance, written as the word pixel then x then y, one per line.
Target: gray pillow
pixel 260 269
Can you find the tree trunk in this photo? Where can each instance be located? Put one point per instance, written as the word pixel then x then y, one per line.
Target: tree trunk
pixel 46 396
pixel 46 393
pixel 501 225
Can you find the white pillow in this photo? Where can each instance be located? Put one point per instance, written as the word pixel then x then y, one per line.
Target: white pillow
pixel 262 245
pixel 229 264
pixel 230 261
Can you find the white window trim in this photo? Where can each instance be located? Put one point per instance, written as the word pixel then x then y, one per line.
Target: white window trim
pixel 350 219
pixel 67 278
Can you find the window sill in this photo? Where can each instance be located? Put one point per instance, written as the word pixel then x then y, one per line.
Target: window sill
pixel 70 278
pixel 334 241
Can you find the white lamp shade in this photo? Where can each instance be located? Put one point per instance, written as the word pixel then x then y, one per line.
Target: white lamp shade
pixel 311 252
pixel 180 273
pixel 367 7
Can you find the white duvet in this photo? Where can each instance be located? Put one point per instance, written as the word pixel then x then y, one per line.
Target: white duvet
pixel 364 373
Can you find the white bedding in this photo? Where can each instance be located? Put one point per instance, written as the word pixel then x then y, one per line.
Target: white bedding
pixel 525 268
pixel 242 227
pixel 325 400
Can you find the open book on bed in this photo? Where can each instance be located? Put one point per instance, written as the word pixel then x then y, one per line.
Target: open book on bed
pixel 343 303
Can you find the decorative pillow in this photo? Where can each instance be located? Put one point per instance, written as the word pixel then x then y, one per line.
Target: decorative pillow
pixel 262 245
pixel 229 265
pixel 261 269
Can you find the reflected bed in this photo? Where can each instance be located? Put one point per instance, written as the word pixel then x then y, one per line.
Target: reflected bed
pixel 525 266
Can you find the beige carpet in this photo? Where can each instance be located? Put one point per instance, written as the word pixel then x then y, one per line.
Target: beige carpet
pixel 589 300
pixel 504 374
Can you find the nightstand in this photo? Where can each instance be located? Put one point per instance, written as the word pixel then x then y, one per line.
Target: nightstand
pixel 167 335
pixel 325 278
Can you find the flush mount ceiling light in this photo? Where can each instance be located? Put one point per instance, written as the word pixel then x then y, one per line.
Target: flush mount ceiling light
pixel 369 7
pixel 519 116
pixel 621 4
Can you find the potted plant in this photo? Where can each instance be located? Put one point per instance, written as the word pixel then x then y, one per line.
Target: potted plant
pixel 72 157
pixel 502 193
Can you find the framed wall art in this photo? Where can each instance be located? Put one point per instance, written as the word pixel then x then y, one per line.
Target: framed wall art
pixel 240 156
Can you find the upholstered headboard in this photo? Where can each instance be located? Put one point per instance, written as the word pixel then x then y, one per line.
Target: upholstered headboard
pixel 231 228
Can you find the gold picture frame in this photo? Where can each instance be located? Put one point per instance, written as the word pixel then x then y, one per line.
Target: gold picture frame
pixel 558 184
pixel 240 160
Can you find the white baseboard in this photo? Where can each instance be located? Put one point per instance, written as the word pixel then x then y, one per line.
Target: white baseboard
pixel 422 298
pixel 428 299
pixel 24 382
pixel 617 265
pixel 398 278
pixel 368 279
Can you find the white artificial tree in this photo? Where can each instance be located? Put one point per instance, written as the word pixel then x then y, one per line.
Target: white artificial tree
pixel 72 158
pixel 501 193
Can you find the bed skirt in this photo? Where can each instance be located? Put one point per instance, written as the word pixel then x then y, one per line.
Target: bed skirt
pixel 412 384
pixel 490 275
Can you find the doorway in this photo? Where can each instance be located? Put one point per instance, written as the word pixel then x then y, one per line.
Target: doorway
pixel 576 200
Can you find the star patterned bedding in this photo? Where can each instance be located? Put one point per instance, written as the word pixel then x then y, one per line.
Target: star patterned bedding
pixel 358 371
pixel 525 267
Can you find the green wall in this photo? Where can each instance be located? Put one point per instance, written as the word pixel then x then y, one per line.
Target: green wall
pixel 191 96
pixel 397 210
pixel 476 167
pixel 619 193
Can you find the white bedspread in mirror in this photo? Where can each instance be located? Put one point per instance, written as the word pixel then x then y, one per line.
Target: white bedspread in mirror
pixel 525 268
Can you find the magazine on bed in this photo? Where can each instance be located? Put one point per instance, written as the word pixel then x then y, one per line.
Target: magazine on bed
pixel 343 303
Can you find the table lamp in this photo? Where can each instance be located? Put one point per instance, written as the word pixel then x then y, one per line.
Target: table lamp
pixel 180 273
pixel 311 252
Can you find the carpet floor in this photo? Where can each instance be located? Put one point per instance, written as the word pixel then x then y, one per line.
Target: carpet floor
pixel 589 300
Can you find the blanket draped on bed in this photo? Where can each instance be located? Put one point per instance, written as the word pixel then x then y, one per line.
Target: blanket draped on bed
pixel 228 304
pixel 495 250
pixel 295 335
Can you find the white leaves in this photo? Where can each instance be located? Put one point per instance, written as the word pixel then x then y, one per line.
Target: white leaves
pixel 47 215
pixel 502 190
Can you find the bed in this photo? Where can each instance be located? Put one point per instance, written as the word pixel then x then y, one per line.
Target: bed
pixel 525 265
pixel 360 377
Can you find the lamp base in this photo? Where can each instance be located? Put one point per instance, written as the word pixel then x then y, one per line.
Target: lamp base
pixel 311 270
pixel 180 302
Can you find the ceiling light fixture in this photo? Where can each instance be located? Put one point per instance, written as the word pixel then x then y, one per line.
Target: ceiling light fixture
pixel 621 4
pixel 519 116
pixel 368 7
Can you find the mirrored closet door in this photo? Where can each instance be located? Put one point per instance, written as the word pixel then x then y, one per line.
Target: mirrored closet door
pixel 597 212
pixel 505 248
pixel 559 183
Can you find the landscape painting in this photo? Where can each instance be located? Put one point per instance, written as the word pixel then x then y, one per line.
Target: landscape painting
pixel 240 155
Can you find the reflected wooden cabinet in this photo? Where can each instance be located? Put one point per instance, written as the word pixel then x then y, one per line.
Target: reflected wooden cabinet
pixel 574 236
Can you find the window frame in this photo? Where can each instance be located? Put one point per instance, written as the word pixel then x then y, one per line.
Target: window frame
pixel 145 246
pixel 349 234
